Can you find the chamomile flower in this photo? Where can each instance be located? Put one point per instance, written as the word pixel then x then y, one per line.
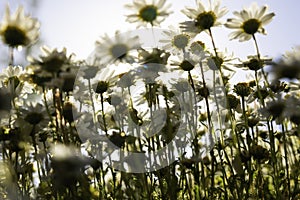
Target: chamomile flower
pixel 148 13
pixel 34 116
pixel 248 22
pixel 187 61
pixel 203 18
pixel 224 60
pixel 18 29
pixel 53 60
pixel 175 40
pixel 116 49
pixel 104 80
pixel 293 55
pixel 289 66
pixel 254 63
pixel 11 73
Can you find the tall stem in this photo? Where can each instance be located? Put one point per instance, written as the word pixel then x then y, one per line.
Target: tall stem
pixel 259 59
pixel 213 42
pixel 286 160
pixel 11 56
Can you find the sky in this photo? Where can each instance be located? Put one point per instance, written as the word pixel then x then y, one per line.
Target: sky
pixel 77 24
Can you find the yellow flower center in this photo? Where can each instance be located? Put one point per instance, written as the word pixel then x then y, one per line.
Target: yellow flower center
pixel 251 26
pixel 34 118
pixel 102 87
pixel 119 51
pixel 205 20
pixel 197 47
pixel 218 61
pixel 148 13
pixel 254 64
pixel 180 41
pixel 186 65
pixel 13 36
pixel 53 64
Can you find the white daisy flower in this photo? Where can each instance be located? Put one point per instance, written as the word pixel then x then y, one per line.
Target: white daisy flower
pixel 203 18
pixel 148 13
pixel 18 29
pixel 33 117
pixel 293 55
pixel 53 60
pixel 11 73
pixel 116 49
pixel 289 66
pixel 175 40
pixel 224 60
pixel 248 22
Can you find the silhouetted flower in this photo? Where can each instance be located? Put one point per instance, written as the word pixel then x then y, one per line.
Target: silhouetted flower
pixel 289 66
pixel 254 63
pixel 274 109
pixel 53 60
pixel 35 115
pixel 18 29
pixel 242 89
pixel 232 101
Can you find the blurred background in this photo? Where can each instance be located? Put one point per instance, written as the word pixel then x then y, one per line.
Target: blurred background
pixel 77 24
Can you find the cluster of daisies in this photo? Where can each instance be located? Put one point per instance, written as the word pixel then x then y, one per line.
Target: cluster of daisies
pixel 62 119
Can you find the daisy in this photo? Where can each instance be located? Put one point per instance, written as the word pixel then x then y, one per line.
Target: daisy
pixel 175 40
pixel 248 22
pixel 116 49
pixel 18 29
pixel 292 56
pixel 197 47
pixel 104 80
pixel 224 60
pixel 148 13
pixel 53 60
pixel 11 73
pixel 289 66
pixel 254 63
pixel 34 117
pixel 187 62
pixel 203 18
pixel 65 81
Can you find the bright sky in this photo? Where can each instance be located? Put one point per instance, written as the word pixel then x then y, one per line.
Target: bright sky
pixel 77 24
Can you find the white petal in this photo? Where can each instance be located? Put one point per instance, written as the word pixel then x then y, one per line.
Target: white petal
pixel 161 3
pixel 267 18
pixel 260 13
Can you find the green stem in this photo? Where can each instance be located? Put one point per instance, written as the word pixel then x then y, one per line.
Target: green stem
pixel 259 59
pixel 286 160
pixel 103 114
pixel 213 42
pixel 248 140
pixel 11 56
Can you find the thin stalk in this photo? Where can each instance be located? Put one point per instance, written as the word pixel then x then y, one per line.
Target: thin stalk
pixel 286 159
pixel 92 99
pixel 248 140
pixel 213 42
pixel 102 112
pixel 259 59
pixel 273 158
pixel 11 56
